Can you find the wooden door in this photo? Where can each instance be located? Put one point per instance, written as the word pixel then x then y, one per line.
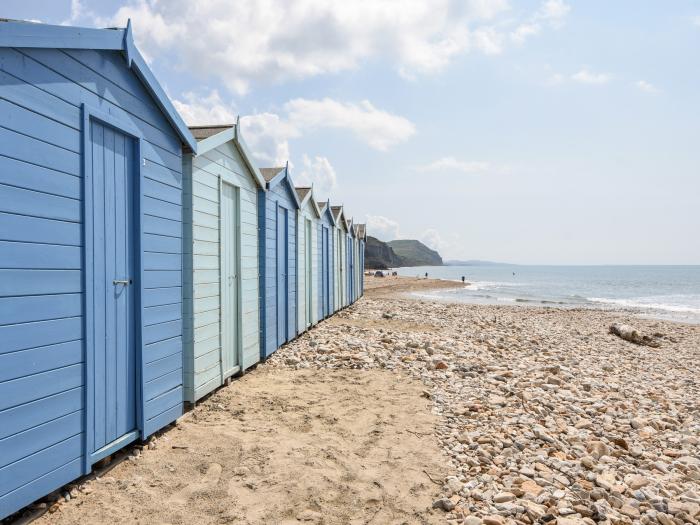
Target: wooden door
pixel 282 288
pixel 308 271
pixel 325 273
pixel 230 281
pixel 113 376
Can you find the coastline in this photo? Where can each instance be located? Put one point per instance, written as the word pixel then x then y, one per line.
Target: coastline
pixel 405 409
pixel 420 288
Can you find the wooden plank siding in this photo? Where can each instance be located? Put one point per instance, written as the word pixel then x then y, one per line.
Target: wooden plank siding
pixel 42 313
pixel 307 213
pixel 202 302
pixel 326 222
pixel 277 196
pixel 341 265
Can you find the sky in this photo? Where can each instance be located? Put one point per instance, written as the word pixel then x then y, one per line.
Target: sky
pixel 540 132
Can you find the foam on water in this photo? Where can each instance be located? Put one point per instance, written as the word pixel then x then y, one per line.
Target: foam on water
pixel 676 303
pixel 667 292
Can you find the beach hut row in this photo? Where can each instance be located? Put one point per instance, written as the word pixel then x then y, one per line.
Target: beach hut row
pixel 142 263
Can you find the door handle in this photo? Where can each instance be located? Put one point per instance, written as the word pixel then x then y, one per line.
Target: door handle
pixel 125 282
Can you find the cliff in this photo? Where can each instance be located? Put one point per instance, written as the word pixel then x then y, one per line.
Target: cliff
pixel 415 253
pixel 381 255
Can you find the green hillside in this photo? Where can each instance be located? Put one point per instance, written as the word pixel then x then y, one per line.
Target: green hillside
pixel 415 253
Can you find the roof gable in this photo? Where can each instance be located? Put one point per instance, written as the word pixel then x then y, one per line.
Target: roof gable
pixel 339 217
pixel 326 212
pixel 276 176
pixel 21 34
pixel 307 198
pixel 214 136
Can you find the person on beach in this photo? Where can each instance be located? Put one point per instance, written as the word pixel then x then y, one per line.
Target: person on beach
pixel 426 275
pixel 463 279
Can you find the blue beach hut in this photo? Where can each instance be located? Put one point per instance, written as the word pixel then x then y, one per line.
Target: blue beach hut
pixel 351 262
pixel 361 239
pixel 221 286
pixel 90 257
pixel 307 259
pixel 340 245
pixel 326 230
pixel 277 217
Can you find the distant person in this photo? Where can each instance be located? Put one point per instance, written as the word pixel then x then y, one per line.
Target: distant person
pixel 426 275
pixel 463 279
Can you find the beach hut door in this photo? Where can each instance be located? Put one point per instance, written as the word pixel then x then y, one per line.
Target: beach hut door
pixel 112 361
pixel 309 274
pixel 282 298
pixel 230 282
pixel 325 273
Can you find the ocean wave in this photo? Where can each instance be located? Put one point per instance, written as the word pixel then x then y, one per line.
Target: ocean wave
pixel 488 285
pixel 652 303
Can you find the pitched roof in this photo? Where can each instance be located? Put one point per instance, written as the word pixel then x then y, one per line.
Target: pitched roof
pixel 322 205
pixel 337 210
pixel 302 192
pixel 270 173
pixel 212 136
pixel 204 132
pixel 16 33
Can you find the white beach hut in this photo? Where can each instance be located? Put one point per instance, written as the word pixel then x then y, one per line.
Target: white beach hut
pixel 221 264
pixel 340 275
pixel 308 217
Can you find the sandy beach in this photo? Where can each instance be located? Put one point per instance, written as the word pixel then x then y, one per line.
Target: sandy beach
pixel 401 410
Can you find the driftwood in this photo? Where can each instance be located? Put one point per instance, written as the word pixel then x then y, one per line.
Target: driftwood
pixel 629 333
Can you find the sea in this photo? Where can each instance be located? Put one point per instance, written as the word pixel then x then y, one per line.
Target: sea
pixel 662 292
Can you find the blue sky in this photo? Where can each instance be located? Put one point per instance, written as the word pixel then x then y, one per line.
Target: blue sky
pixel 544 131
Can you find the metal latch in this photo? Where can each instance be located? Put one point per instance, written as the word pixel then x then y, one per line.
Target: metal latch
pixel 125 282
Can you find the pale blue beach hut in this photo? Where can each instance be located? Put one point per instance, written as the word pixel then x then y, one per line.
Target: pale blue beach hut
pixel 277 217
pixel 351 262
pixel 308 280
pixel 326 231
pixel 340 260
pixel 90 257
pixel 362 239
pixel 221 286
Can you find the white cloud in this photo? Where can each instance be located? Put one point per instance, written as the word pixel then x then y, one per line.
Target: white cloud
pixel 77 12
pixel 554 11
pixel 378 128
pixel 269 41
pixel 382 228
pixel 550 14
pixel 199 109
pixel 489 40
pixel 647 87
pixel 587 77
pixel 268 134
pixel 432 239
pixel 452 164
pixel 319 173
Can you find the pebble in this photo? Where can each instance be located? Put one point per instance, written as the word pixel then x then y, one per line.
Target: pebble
pixel 543 417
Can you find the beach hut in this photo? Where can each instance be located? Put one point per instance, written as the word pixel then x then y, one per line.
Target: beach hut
pixel 351 262
pixel 308 216
pixel 340 258
pixel 277 217
pixel 90 257
pixel 362 238
pixel 326 232
pixel 221 265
